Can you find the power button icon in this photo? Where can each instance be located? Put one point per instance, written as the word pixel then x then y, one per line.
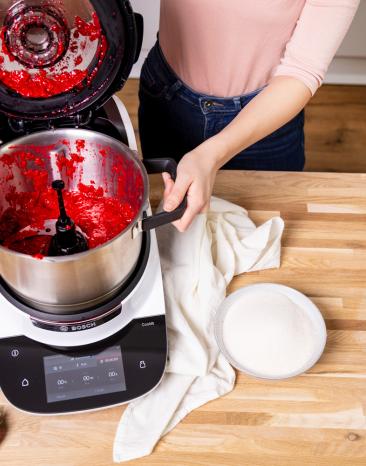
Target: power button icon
pixel 15 353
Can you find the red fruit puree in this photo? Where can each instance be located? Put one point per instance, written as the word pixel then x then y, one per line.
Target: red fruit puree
pixel 99 217
pixel 43 84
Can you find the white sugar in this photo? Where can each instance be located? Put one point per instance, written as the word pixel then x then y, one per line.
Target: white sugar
pixel 268 334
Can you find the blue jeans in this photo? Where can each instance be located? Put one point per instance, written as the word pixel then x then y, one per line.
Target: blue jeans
pixel 174 119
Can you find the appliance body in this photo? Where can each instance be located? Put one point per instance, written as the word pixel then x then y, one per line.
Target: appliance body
pixel 107 356
pixel 116 350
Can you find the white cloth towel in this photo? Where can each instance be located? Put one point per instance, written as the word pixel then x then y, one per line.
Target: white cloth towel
pixel 197 266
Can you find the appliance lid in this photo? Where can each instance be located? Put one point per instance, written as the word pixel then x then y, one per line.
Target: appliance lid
pixel 63 57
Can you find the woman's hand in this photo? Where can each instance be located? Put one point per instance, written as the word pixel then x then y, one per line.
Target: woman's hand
pixel 195 177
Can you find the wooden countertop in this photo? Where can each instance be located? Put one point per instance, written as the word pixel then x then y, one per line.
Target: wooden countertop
pixel 315 419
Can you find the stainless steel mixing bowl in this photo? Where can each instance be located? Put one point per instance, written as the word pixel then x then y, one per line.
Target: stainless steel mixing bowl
pixel 72 283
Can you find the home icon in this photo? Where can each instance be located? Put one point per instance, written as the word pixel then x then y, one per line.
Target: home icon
pixel 25 383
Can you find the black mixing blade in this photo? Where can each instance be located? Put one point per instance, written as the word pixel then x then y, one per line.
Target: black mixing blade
pixel 67 240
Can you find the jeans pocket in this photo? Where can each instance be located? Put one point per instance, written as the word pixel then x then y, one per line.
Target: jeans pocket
pixel 150 83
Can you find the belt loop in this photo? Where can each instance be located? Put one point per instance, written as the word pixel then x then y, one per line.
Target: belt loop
pixel 171 91
pixel 237 103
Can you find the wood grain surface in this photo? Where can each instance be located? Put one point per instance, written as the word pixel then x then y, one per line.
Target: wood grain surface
pixel 335 130
pixel 335 127
pixel 315 419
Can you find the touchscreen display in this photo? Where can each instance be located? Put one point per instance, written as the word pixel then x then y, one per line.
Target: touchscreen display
pixel 69 378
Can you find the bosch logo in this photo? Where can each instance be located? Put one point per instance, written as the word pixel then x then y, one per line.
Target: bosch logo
pixel 86 326
pixel 69 327
pixel 77 327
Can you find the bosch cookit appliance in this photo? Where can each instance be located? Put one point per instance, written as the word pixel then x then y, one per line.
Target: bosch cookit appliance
pixel 80 327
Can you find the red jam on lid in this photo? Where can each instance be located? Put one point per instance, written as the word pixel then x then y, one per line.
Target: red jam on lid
pixel 63 77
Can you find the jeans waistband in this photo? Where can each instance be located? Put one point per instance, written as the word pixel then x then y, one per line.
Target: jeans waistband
pixel 159 66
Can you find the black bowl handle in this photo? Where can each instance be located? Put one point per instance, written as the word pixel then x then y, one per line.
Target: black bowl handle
pixel 154 166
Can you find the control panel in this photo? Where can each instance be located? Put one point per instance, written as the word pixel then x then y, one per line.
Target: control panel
pixel 45 380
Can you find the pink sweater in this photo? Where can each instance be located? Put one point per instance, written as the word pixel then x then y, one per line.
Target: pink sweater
pixel 231 47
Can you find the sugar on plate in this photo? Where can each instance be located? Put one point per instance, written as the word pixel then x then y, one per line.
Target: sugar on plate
pixel 270 331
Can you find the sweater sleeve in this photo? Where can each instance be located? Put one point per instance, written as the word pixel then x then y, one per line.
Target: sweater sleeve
pixel 318 34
